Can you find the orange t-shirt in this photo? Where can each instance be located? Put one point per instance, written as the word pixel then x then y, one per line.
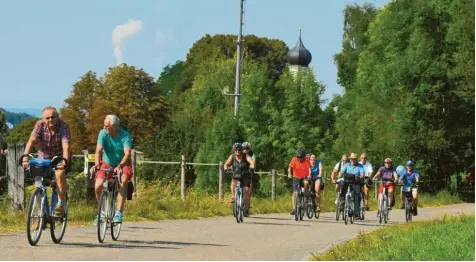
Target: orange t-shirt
pixel 300 169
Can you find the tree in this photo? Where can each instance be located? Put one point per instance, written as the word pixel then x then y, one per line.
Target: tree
pixel 413 97
pixel 21 132
pixel 77 107
pixel 133 96
pixel 357 20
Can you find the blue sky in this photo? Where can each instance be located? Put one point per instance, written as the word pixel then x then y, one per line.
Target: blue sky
pixel 47 45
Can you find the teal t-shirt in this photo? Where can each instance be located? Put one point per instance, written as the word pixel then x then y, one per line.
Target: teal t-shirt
pixel 113 147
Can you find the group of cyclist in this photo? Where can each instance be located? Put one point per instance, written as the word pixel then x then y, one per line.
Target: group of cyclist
pixel 306 169
pixel 53 138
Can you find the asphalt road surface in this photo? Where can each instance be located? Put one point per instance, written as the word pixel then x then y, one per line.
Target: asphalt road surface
pixel 260 237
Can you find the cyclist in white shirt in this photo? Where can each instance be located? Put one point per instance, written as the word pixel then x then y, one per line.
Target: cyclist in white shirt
pixel 338 168
pixel 368 170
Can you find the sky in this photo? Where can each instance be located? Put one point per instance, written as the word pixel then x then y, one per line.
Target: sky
pixel 46 46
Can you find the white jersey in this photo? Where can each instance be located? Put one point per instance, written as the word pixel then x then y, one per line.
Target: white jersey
pixel 337 166
pixel 367 168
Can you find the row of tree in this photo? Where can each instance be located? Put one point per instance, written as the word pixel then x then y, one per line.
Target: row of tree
pixel 407 71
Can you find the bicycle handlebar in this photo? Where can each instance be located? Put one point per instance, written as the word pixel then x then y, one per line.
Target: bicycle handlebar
pixel 54 161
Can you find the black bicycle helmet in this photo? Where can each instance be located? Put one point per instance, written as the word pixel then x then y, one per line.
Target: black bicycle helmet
pixel 300 153
pixel 237 146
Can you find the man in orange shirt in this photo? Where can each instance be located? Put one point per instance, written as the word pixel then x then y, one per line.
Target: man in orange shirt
pixel 299 168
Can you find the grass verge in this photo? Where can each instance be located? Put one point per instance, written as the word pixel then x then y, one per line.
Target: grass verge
pixel 448 238
pixel 159 202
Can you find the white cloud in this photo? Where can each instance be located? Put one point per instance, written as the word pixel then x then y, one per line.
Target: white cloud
pixel 123 32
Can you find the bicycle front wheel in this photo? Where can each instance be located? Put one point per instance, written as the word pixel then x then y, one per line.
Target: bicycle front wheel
pixel 115 226
pixel 408 210
pixel 35 219
pixel 385 210
pixel 346 210
pixel 103 216
pixel 58 223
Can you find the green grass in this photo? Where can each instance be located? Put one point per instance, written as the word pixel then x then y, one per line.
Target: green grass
pixel 449 238
pixel 159 202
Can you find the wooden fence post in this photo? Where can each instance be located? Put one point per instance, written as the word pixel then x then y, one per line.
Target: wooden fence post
pixel 220 181
pixel 16 177
pixel 273 184
pixel 182 178
pixel 134 170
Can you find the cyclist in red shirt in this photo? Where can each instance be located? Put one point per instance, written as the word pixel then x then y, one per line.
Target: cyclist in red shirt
pixel 299 169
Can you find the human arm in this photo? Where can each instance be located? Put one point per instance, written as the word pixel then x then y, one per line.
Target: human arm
pixel 251 161
pixel 227 163
pixel 321 170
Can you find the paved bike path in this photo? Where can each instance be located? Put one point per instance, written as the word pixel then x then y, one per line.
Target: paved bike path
pixel 260 237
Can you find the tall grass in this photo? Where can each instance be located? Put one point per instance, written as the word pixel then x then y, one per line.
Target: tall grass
pixel 448 238
pixel 159 202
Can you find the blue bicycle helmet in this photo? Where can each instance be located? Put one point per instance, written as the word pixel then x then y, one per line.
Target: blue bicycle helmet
pixel 410 163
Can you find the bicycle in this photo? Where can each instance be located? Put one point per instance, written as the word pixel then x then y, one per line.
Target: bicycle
pixel 408 196
pixel 238 204
pixel 383 211
pixel 43 171
pixel 340 201
pixel 107 204
pixel 349 198
pixel 299 202
pixel 311 209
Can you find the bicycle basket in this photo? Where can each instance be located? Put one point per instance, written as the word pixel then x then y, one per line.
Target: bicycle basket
pixel 349 178
pixel 40 171
pixel 237 174
pixel 40 168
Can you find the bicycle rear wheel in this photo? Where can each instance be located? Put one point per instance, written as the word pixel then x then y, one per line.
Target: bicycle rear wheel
pixel 103 216
pixel 115 226
pixel 58 224
pixel 35 219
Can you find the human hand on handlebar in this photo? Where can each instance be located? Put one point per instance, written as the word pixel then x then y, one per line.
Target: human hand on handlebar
pixel 118 169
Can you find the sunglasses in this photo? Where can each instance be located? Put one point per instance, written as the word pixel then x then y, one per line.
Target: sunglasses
pixel 50 117
pixel 388 162
pixel 238 150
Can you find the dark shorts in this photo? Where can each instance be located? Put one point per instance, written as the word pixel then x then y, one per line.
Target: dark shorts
pixel 296 182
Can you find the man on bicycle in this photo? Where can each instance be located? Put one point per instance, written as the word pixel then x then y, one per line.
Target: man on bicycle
pixel 53 137
pixel 241 162
pixel 368 170
pixel 390 175
pixel 299 169
pixel 408 179
pixel 338 168
pixel 353 174
pixel 115 144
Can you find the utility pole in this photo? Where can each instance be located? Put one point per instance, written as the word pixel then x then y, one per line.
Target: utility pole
pixel 238 59
pixel 239 46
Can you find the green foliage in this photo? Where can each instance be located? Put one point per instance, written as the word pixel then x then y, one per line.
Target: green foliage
pixel 21 132
pixel 217 147
pixel 408 101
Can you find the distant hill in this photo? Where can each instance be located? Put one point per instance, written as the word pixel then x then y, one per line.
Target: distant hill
pixel 15 118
